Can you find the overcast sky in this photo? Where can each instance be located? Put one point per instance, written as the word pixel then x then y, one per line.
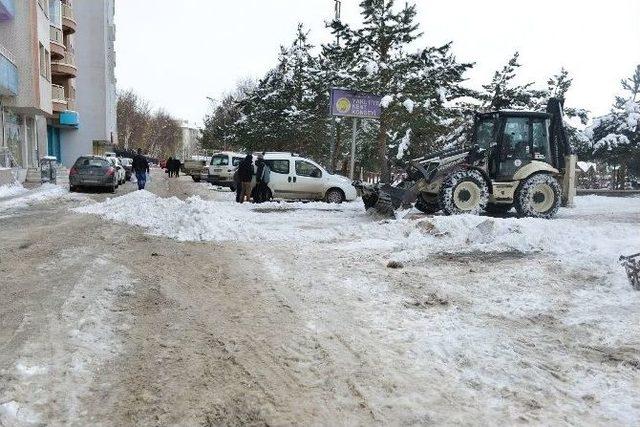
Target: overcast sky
pixel 176 53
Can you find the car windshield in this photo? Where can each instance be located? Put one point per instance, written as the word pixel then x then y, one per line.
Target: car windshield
pixel 220 160
pixel 91 163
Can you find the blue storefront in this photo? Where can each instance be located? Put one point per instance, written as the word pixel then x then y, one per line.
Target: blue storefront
pixel 67 121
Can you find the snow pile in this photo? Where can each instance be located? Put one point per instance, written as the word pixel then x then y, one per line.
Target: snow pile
pixel 199 220
pixel 581 235
pixel 44 193
pixel 11 190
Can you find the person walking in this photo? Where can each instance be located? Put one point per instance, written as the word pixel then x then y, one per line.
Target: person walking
pixel 169 166
pixel 238 185
pixel 176 167
pixel 140 167
pixel 263 174
pixel 245 173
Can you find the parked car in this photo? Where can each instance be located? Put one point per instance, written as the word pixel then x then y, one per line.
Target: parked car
pixel 93 171
pixel 221 169
pixel 193 167
pixel 120 171
pixel 127 164
pixel 298 178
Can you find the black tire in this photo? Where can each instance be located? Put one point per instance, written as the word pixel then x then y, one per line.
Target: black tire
pixel 73 188
pixel 334 195
pixel 496 209
pixel 195 178
pixel 464 192
pixel 428 207
pixel 538 196
pixel 232 188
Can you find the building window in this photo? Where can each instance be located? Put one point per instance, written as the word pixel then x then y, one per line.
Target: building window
pixel 44 5
pixel 43 61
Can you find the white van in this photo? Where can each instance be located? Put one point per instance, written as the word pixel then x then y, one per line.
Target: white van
pixel 298 178
pixel 221 169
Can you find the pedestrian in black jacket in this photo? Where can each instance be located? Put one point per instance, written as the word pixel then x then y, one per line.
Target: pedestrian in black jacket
pixel 245 173
pixel 140 167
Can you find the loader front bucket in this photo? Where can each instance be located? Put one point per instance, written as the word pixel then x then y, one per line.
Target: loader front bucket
pixel 385 199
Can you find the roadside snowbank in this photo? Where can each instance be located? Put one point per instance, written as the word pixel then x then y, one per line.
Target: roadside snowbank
pixel 44 193
pixel 11 190
pixel 581 235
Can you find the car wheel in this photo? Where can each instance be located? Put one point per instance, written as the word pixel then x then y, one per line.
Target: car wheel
pixel 73 188
pixel 195 179
pixel 334 196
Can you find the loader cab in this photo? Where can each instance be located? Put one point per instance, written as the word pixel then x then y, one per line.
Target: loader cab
pixel 513 139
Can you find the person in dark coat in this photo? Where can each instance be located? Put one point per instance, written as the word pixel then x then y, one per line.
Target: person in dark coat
pixel 261 192
pixel 140 167
pixel 245 173
pixel 169 166
pixel 176 167
pixel 238 185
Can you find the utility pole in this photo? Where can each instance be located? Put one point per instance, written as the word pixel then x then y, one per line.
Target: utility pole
pixel 334 127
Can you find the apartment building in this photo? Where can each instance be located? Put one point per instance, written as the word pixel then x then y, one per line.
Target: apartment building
pixel 57 81
pixel 26 73
pixel 190 141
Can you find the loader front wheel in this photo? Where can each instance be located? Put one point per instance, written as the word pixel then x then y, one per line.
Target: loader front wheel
pixel 538 197
pixel 464 192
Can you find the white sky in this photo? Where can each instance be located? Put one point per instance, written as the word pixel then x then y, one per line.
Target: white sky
pixel 176 53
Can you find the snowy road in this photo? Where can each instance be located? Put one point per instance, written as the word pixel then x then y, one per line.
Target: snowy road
pixel 204 312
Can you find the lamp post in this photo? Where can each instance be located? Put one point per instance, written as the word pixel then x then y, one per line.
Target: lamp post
pixel 334 131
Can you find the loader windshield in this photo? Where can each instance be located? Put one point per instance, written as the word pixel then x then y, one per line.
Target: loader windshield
pixel 485 132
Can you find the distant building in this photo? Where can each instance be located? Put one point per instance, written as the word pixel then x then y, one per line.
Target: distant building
pixel 57 81
pixel 190 141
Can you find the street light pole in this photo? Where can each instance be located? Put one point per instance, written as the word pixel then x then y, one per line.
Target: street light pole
pixel 334 125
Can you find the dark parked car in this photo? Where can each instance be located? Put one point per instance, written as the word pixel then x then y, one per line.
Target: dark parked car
pixel 93 171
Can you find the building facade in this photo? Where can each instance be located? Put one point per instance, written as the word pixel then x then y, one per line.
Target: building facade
pixel 95 84
pixel 190 141
pixel 57 63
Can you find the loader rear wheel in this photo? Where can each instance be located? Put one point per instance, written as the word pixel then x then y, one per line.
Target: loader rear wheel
pixel 464 192
pixel 428 207
pixel 539 196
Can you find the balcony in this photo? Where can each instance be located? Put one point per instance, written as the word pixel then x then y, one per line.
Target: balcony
pixel 69 24
pixel 58 99
pixel 8 74
pixel 7 10
pixel 65 67
pixel 58 50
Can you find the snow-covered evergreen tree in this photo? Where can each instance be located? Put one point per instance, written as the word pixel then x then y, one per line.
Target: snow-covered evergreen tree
pixel 503 92
pixel 416 85
pixel 616 136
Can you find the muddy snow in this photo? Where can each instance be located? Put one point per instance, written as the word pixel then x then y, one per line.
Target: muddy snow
pixel 286 313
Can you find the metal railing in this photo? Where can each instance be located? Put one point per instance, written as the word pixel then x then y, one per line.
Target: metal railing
pixel 57 35
pixel 67 12
pixel 57 94
pixel 69 59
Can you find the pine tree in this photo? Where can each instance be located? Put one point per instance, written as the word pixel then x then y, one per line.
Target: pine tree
pixel 616 135
pixel 504 93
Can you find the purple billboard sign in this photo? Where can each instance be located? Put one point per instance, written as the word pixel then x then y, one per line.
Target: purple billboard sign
pixel 350 103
